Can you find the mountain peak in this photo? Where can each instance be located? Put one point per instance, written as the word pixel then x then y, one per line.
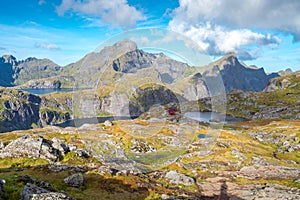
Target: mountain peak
pixel 9 59
pixel 227 59
pixel 126 44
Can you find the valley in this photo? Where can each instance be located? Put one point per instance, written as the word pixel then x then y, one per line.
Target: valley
pixel 144 126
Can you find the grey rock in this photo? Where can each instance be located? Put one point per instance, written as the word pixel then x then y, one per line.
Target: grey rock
pixel 141 147
pixel 33 192
pixel 82 153
pixel 75 180
pixel 60 168
pixel 177 178
pixel 43 184
pixel 51 196
pixel 30 189
pixel 30 147
pixel 59 144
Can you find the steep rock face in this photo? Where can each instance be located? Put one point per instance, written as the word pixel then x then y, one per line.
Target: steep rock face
pixel 18 110
pixel 196 89
pixel 239 77
pixel 144 98
pixel 169 70
pixel 132 61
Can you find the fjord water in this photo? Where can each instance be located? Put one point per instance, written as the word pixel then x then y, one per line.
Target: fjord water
pixel 39 91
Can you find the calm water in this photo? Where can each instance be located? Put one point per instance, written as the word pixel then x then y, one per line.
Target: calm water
pixel 211 117
pixel 45 90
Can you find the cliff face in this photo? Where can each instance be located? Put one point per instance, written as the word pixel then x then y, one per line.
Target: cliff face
pixel 18 110
pixel 240 77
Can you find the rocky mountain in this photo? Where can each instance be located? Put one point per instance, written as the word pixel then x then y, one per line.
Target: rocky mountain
pixel 16 72
pixel 237 76
pixel 125 59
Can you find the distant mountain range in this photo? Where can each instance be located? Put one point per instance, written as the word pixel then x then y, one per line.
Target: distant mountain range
pixel 124 60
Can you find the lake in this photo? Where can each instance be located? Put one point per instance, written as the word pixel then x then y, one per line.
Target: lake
pixel 211 117
pixel 40 91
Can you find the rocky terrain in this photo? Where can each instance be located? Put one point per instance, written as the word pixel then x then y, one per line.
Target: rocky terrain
pixel 144 159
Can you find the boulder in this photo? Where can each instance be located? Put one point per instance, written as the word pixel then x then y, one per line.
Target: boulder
pixel 51 196
pixel 30 189
pixel 43 184
pixel 32 148
pixel 75 180
pixel 177 178
pixel 33 192
pixel 58 143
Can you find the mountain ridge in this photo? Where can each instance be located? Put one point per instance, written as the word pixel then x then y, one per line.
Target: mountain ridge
pixel 123 57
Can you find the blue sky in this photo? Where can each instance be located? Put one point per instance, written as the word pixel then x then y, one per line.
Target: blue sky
pixel 264 33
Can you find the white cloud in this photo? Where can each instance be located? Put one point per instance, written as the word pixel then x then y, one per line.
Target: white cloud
pixel 117 12
pixel 47 46
pixel 217 40
pixel 262 14
pixel 201 21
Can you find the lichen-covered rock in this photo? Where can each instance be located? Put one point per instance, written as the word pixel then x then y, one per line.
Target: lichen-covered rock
pixel 30 147
pixel 30 189
pixel 140 146
pixel 43 184
pixel 177 178
pixel 33 192
pixel 75 180
pixel 59 144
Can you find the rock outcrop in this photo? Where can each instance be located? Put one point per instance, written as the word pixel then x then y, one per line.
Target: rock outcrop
pixel 18 110
pixel 237 76
pixel 33 192
pixel 177 178
pixel 32 148
pixel 75 180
